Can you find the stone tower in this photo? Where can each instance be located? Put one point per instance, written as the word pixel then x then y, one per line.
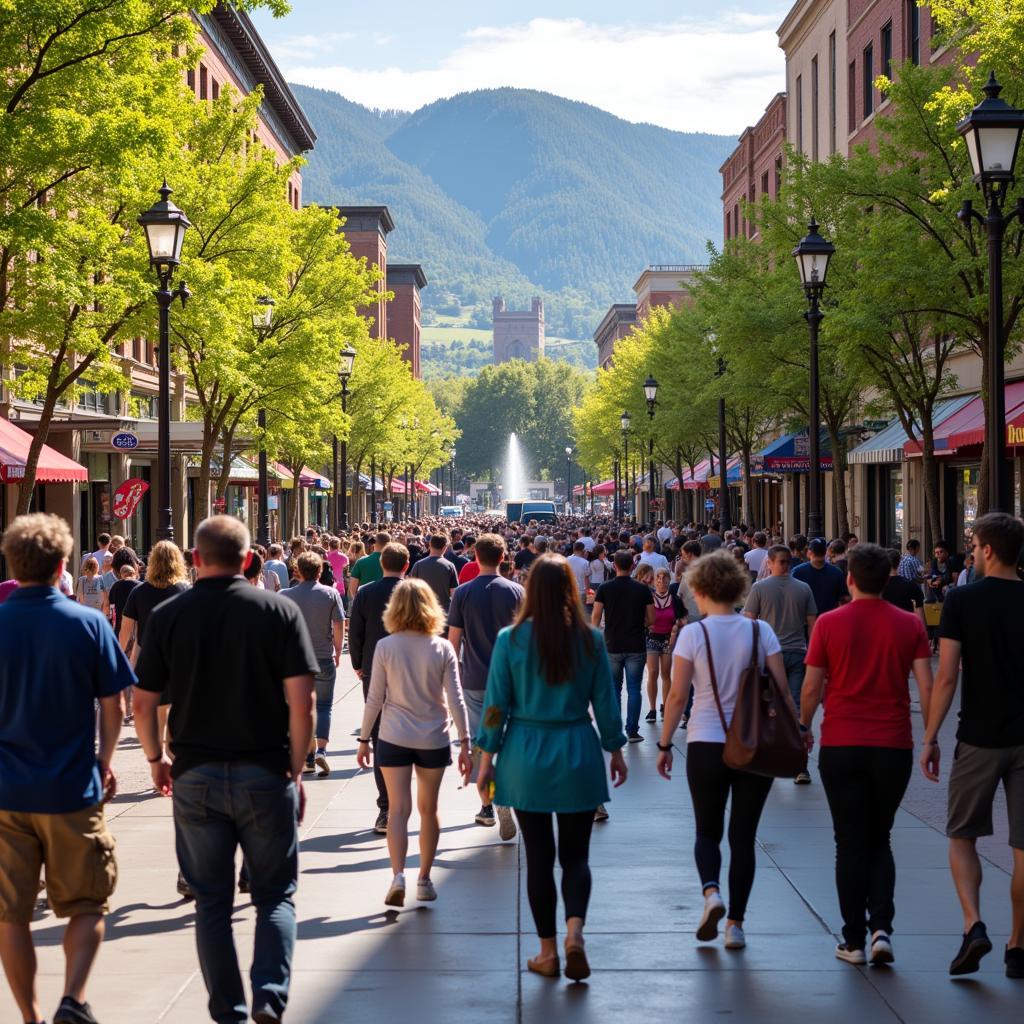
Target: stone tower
pixel 518 334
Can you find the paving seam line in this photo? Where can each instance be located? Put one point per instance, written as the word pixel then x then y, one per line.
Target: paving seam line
pixel 177 995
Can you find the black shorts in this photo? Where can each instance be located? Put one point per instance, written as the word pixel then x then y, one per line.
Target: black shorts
pixel 391 755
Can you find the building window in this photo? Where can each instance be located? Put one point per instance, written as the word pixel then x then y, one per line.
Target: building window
pixel 832 117
pixel 137 349
pixel 887 50
pixel 736 220
pixel 215 88
pixel 778 176
pixel 869 80
pixel 800 113
pixel 764 184
pixel 289 193
pixel 814 108
pixel 913 31
pixel 190 78
pixel 851 95
pixel 203 91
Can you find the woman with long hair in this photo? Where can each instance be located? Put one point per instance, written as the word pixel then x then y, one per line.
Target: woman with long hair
pixel 669 614
pixel 166 576
pixel 414 688
pixel 548 670
pixel 713 654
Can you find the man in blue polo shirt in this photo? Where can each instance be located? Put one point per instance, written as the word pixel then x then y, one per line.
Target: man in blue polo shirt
pixel 56 658
pixel 827 583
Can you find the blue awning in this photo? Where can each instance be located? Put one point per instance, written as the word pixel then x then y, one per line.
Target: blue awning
pixel 887 445
pixel 790 454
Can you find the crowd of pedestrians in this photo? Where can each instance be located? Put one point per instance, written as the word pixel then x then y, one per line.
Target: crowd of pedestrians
pixel 513 642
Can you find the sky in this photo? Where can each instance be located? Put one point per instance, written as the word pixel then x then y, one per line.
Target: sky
pixel 689 65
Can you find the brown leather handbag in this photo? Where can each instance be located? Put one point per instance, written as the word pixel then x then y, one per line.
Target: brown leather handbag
pixel 763 737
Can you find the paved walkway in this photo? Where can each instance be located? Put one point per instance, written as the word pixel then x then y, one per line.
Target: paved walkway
pixel 462 958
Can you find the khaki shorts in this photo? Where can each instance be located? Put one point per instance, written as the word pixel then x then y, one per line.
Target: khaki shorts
pixel 77 851
pixel 976 774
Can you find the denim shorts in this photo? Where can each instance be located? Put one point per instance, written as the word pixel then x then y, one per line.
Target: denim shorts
pixel 391 755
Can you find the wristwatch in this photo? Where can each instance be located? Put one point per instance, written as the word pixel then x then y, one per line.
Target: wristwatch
pixel 664 750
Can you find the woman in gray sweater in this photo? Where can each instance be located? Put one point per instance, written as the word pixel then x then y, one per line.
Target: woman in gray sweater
pixel 414 687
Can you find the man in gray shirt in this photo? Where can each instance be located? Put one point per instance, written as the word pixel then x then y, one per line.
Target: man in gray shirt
pixel 437 572
pixel 324 613
pixel 787 605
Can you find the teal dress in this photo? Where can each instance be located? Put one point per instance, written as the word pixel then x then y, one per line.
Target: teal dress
pixel 548 754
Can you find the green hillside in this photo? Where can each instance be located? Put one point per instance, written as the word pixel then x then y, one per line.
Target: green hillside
pixel 520 193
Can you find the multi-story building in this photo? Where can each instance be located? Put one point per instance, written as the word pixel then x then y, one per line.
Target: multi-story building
pixel 405 281
pixel 518 334
pixel 366 229
pixel 618 322
pixel 232 54
pixel 663 284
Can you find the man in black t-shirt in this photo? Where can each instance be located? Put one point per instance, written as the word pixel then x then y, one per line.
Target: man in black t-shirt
pixel 979 634
pixel 628 608
pixel 237 666
pixel 901 592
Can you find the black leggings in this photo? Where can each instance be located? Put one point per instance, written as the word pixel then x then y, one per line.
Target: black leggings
pixel 573 854
pixel 711 783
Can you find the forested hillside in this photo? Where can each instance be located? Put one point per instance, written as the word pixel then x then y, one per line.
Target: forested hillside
pixel 518 192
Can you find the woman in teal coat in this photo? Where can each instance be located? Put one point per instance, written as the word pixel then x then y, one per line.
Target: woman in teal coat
pixel 547 671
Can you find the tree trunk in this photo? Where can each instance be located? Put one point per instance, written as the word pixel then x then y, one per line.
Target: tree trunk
pixel 293 516
pixel 840 508
pixel 930 469
pixel 748 490
pixel 225 467
pixel 205 472
pixel 28 483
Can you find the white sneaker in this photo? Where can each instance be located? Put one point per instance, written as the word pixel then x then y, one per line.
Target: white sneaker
pixel 851 955
pixel 425 891
pixel 323 766
pixel 734 937
pixel 506 823
pixel 881 948
pixel 714 911
pixel 396 894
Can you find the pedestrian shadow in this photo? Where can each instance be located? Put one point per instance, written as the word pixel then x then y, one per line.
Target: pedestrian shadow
pixel 335 842
pixel 326 927
pixel 412 861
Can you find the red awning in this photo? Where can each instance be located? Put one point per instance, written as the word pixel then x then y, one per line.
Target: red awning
pixel 966 427
pixel 52 467
pixel 427 487
pixel 605 487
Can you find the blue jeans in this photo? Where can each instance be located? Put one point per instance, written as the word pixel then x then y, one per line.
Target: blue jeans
pixel 633 665
pixel 324 684
pixel 795 669
pixel 474 712
pixel 218 806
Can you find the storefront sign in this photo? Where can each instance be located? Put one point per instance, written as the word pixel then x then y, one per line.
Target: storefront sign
pixel 125 441
pixel 1014 435
pixel 128 496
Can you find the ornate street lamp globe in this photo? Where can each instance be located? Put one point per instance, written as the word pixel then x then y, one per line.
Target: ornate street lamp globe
pixel 165 227
pixel 650 390
pixel 624 420
pixel 348 358
pixel 263 317
pixel 812 256
pixel 992 132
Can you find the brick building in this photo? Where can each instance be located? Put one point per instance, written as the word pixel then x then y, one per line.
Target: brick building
pixel 754 168
pixel 405 281
pixel 617 323
pixel 367 228
pixel 663 284
pixel 518 334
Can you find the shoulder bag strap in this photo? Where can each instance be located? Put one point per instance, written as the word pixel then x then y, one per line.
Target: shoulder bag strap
pixel 753 646
pixel 714 678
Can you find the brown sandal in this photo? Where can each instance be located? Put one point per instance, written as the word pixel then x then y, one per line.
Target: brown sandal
pixel 548 968
pixel 576 966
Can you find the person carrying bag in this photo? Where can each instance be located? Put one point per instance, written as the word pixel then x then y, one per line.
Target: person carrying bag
pixel 738 734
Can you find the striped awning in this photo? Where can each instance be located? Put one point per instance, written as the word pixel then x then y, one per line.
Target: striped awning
pixel 887 445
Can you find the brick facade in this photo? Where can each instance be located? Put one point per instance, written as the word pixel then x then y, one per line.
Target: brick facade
pixel 367 229
pixel 617 323
pixel 662 285
pixel 518 334
pixel 405 281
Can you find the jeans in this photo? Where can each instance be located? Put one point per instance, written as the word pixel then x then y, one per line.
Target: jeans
pixel 218 806
pixel 864 787
pixel 324 684
pixel 633 666
pixel 474 712
pixel 795 671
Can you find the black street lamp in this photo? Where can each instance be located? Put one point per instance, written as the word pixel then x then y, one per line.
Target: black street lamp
pixel 651 395
pixel 455 493
pixel 992 132
pixel 568 478
pixel 348 358
pixel 812 257
pixel 724 509
pixel 165 226
pixel 624 421
pixel 262 321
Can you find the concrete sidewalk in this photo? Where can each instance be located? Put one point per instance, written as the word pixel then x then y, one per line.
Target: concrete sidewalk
pixel 462 959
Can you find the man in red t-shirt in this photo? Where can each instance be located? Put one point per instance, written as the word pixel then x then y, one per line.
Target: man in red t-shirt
pixel 865 650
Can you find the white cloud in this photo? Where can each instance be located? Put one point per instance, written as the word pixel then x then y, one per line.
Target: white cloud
pixel 299 48
pixel 711 75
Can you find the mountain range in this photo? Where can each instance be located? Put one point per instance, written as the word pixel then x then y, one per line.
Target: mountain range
pixel 520 193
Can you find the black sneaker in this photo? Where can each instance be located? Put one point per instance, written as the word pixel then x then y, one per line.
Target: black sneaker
pixel 975 945
pixel 652 715
pixel 485 816
pixel 243 884
pixel 380 826
pixel 1014 960
pixel 71 1011
pixel 662 710
pixel 635 737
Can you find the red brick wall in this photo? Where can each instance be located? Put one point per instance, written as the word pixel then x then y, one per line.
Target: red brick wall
pixel 370 245
pixel 743 173
pixel 404 320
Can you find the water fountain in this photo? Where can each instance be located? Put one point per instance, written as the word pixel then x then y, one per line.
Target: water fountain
pixel 514 475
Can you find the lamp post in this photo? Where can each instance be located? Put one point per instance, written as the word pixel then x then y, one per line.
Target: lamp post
pixel 262 321
pixel 348 358
pixel 651 396
pixel 812 257
pixel 624 421
pixel 992 132
pixel 455 492
pixel 724 511
pixel 568 478
pixel 165 226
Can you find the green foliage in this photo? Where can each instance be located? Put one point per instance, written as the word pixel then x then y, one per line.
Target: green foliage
pixel 517 192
